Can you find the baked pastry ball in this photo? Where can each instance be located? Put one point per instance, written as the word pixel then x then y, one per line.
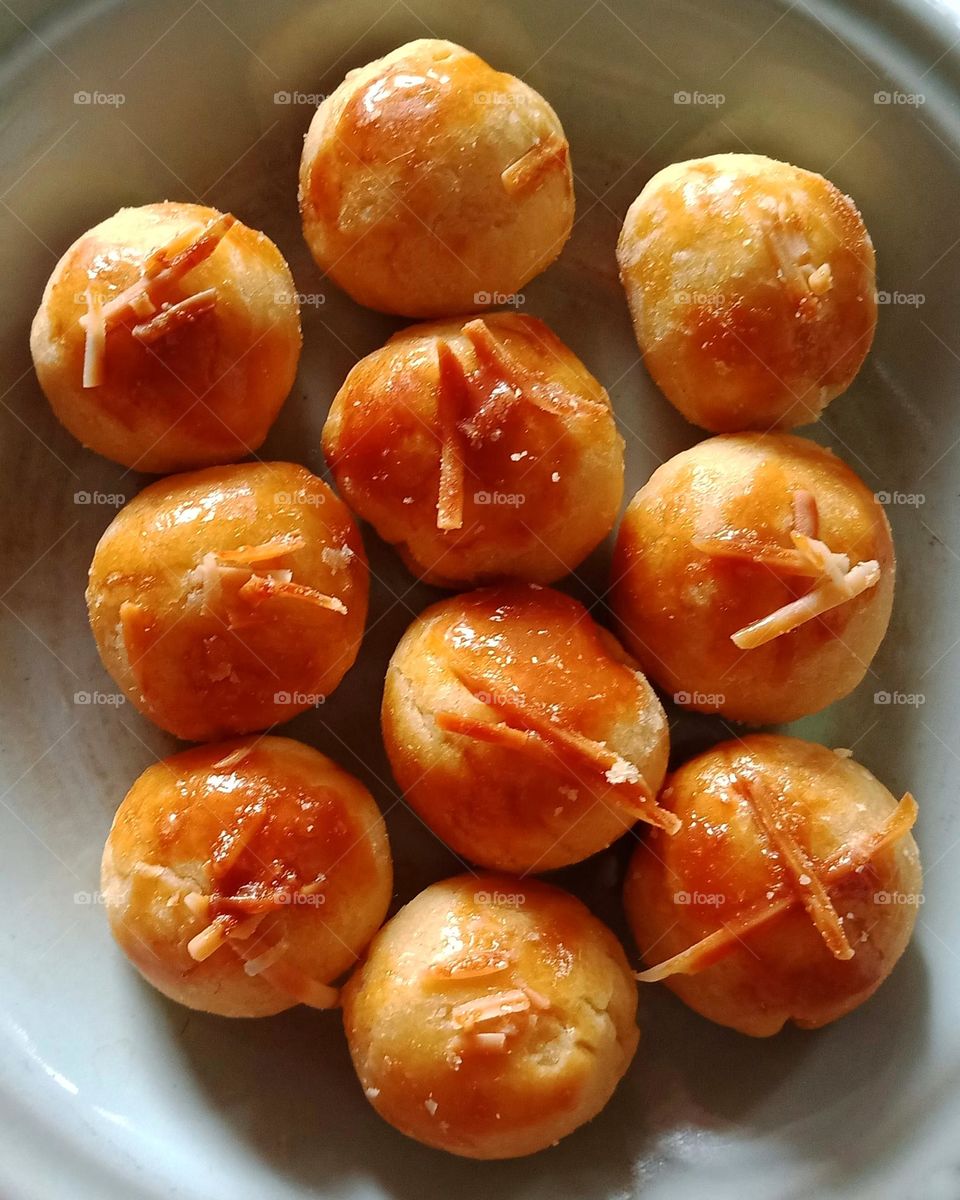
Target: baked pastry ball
pixel 521 731
pixel 790 891
pixel 227 600
pixel 491 1017
pixel 753 576
pixel 168 337
pixel 752 286
pixel 242 878
pixel 482 448
pixel 430 183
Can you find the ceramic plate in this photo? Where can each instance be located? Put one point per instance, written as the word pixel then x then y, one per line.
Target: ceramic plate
pixel 108 1092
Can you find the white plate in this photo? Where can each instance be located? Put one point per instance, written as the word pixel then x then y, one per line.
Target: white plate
pixel 110 1093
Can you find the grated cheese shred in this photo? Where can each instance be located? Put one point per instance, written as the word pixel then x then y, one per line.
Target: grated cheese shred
pixel 94 346
pixel 175 316
pixel 489 1008
pixel 451 387
pixel 529 169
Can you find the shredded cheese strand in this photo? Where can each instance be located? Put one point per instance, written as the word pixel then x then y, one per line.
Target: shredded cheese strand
pixel 209 940
pixel 825 596
pixel 508 736
pixel 296 984
pixel 837 581
pixel 233 758
pixel 476 965
pixel 549 395
pixel 630 790
pixel 812 892
pixel 451 387
pixel 527 170
pixel 94 346
pixel 492 1007
pixel 173 316
pixel 285 543
pixel 265 959
pixel 263 587
pixel 765 554
pixel 251 823
pixel 806 515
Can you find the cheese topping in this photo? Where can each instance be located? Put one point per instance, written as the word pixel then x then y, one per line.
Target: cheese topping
pixel 233 758
pixel 835 580
pixel 173 316
pixel 229 576
pixel 147 302
pixel 288 979
pixel 164 267
pixel 827 594
pixel 478 964
pixel 267 551
pixel 523 728
pixel 209 940
pixel 450 394
pixel 527 171
pixel 814 895
pixel 94 346
pixel 843 862
pixel 489 1008
pixel 258 964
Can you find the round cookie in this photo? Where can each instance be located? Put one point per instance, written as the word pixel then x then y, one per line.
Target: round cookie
pixel 752 286
pixel 482 449
pixel 753 576
pixel 491 1017
pixel 790 891
pixel 431 184
pixel 244 877
pixel 521 731
pixel 226 600
pixel 168 337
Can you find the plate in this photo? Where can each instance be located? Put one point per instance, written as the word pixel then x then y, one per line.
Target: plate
pixel 109 1092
